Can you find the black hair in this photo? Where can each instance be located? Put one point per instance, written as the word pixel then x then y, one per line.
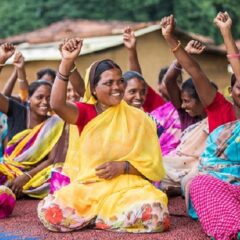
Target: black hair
pixel 162 72
pixel 101 67
pixel 132 74
pixel 233 80
pixel 189 87
pixel 36 84
pixel 48 71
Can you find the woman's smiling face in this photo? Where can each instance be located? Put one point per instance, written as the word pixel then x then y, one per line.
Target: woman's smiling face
pixel 135 92
pixel 40 100
pixel 109 90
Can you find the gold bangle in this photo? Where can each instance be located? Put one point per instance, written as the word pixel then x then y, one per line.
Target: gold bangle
pixel 28 174
pixel 177 47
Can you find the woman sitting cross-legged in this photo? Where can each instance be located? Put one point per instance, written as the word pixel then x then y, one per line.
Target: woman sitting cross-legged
pixel 117 155
pixel 33 136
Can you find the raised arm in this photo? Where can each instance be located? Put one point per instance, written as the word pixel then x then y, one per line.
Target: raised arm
pixel 66 110
pixel 6 51
pixel 203 86
pixel 224 23
pixel 75 76
pixel 174 72
pixel 22 78
pixel 130 43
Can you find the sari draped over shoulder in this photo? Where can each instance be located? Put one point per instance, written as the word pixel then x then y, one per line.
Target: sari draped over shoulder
pixel 180 164
pixel 116 134
pixel 26 150
pixel 221 157
pixel 218 184
pixel 124 203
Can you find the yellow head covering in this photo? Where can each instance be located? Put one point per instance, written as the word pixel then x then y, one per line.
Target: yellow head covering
pixel 88 97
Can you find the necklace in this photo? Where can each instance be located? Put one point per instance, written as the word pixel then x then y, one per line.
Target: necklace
pixel 98 109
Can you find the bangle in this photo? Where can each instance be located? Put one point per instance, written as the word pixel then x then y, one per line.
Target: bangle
pixel 62 77
pixel 177 68
pixel 233 55
pixel 20 80
pixel 126 167
pixel 73 69
pixel 28 174
pixel 177 47
pixel 2 64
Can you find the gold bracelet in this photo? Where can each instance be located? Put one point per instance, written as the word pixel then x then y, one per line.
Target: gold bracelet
pixel 177 47
pixel 28 174
pixel 2 64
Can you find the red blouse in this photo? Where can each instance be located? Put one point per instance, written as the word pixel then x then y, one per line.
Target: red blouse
pixel 153 100
pixel 219 112
pixel 86 113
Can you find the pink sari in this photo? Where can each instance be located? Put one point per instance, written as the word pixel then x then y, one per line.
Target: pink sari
pixel 168 117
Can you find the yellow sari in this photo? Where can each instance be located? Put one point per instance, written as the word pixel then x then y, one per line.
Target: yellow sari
pixel 124 203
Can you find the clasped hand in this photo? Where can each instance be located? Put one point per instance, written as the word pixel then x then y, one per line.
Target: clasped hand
pixel 110 170
pixel 18 183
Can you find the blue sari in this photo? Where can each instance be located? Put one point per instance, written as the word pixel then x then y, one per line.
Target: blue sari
pixel 221 157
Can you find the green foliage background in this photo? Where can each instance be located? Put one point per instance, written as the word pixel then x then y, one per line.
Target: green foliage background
pixel 18 16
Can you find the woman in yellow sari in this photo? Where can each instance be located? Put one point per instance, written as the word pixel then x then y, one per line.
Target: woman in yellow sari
pixel 117 155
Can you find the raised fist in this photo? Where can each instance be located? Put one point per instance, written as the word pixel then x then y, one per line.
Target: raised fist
pixel 18 60
pixel 223 21
pixel 6 51
pixel 129 39
pixel 70 49
pixel 195 47
pixel 167 24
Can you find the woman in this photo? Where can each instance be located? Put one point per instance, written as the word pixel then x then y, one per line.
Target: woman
pixel 32 136
pixel 215 106
pixel 217 187
pixel 219 167
pixel 137 89
pixel 180 161
pixel 167 115
pixel 135 94
pixel 218 109
pixel 108 185
pixel 139 94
